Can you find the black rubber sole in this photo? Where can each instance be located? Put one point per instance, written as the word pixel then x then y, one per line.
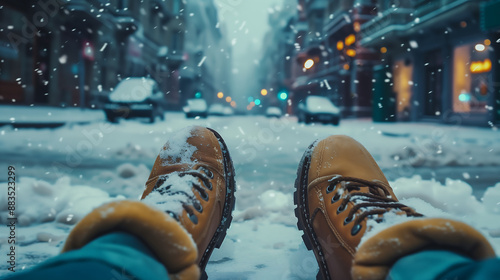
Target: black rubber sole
pixel 229 203
pixel 302 213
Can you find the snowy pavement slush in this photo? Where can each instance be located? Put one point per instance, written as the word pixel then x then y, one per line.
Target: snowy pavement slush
pixel 63 173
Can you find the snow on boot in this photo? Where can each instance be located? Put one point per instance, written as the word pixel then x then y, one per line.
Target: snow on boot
pixel 339 186
pixel 377 254
pixel 163 235
pixel 193 181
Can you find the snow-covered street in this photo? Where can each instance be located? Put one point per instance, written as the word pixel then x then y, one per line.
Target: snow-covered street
pixel 441 170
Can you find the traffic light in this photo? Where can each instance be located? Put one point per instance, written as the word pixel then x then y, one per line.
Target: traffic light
pixel 257 102
pixel 197 95
pixel 282 95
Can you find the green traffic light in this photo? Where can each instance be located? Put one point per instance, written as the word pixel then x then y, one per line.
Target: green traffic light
pixel 198 95
pixel 257 102
pixel 282 95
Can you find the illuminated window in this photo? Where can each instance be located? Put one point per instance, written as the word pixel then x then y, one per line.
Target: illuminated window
pixel 351 39
pixel 403 86
pixel 340 45
pixel 471 78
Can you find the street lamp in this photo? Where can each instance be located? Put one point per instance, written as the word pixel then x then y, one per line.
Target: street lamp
pixel 263 92
pixel 309 64
pixel 480 47
pixel 220 95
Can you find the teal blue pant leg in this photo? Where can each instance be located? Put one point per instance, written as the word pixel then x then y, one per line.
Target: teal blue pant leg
pixel 441 265
pixel 117 256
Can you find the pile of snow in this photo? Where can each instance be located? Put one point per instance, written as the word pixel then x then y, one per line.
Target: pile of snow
pixel 134 151
pixel 451 200
pixel 63 202
pixel 178 149
pixel 434 154
pixel 41 202
pixel 127 180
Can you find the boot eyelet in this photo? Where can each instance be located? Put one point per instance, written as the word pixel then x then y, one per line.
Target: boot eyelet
pixel 335 198
pixel 341 209
pixel 197 206
pixel 193 218
pixel 207 171
pixel 204 196
pixel 355 229
pixel 348 220
pixel 331 188
pixel 209 186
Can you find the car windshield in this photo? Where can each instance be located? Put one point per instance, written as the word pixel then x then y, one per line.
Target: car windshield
pixel 133 90
pixel 320 104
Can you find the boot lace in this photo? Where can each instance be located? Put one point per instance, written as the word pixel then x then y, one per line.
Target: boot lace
pixel 177 192
pixel 372 202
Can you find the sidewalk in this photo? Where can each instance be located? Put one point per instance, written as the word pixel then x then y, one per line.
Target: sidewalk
pixel 47 117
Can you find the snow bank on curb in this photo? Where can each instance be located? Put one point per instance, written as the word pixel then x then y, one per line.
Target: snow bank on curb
pixel 425 152
pixel 38 201
pixel 454 197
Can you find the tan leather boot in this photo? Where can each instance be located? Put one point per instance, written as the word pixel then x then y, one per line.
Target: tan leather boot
pixel 193 180
pixel 338 187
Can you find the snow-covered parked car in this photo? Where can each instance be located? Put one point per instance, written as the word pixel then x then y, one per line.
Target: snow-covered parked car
pixel 273 112
pixel 216 110
pixel 318 109
pixel 135 98
pixel 228 111
pixel 196 108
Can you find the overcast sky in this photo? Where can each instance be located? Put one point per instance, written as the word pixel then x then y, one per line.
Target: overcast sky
pixel 246 22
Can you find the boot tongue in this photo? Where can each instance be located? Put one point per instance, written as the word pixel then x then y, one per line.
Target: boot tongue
pixel 172 193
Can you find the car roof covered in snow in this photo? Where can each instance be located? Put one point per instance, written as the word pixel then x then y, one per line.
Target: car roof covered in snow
pixel 320 104
pixel 273 111
pixel 133 90
pixel 197 104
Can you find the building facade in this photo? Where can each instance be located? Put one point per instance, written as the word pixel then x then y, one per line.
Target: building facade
pixel 401 60
pixel 439 60
pixel 74 52
pixel 324 34
pixel 276 72
pixel 206 70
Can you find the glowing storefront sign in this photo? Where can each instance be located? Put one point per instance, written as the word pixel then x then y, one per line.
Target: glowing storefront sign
pixel 480 66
